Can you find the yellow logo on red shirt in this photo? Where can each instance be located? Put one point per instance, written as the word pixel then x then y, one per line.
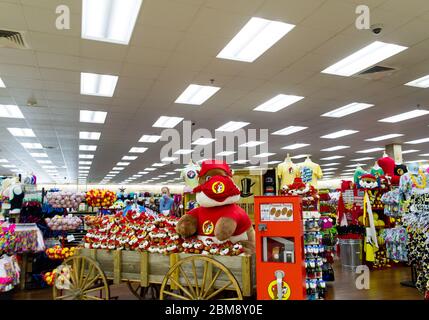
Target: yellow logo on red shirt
pixel 208 227
pixel 218 187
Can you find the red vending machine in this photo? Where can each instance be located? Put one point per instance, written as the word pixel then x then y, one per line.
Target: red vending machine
pixel 280 270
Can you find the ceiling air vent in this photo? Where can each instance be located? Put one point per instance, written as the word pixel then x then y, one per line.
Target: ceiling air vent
pixel 12 39
pixel 376 73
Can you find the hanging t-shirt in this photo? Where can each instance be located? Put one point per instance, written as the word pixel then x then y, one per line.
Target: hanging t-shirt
pixel 310 172
pixel 287 172
pixel 190 175
pixel 409 181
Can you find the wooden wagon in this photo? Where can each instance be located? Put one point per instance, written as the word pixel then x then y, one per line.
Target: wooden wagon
pixel 176 276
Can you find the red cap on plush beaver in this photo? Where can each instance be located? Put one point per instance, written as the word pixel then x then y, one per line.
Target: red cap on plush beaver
pixel 218 188
pixel 214 164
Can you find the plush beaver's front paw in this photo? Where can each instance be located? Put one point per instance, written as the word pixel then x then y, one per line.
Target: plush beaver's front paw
pixel 187 226
pixel 225 228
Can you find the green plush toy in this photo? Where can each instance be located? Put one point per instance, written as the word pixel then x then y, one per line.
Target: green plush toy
pixel 359 172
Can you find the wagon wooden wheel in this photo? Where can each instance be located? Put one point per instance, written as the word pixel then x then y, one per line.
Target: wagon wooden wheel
pixel 143 293
pixel 87 281
pixel 197 278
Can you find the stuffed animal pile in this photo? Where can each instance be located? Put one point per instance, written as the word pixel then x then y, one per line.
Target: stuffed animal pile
pixel 100 198
pixel 63 199
pixel 68 222
pixel 155 234
pixel 59 253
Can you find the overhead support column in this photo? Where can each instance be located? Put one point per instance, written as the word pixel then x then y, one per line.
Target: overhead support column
pixel 394 151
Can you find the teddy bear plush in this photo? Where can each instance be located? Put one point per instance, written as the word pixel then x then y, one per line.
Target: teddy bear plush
pixel 218 216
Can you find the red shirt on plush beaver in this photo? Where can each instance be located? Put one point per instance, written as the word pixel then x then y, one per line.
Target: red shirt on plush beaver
pixel 218 215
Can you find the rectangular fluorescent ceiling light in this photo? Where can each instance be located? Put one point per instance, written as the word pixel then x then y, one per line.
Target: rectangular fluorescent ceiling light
pixel 414 161
pixel 289 130
pixel 409 151
pixel 225 153
pixel 347 109
pixel 149 138
pixel 295 146
pixel 137 150
pixel 278 103
pixel 137 175
pixel 256 37
pixel 203 141
pixel 129 158
pixel 159 164
pixel 92 116
pixel 28 145
pixel 335 148
pixel 422 82
pixel 362 159
pixel 169 159
pixel 44 161
pixel 252 144
pixel 118 168
pixel 264 155
pixel 113 172
pixel 21 132
pixel 364 58
pixel 3 160
pixel 355 165
pixel 183 151
pixel 39 155
pixel 424 140
pixel 170 173
pixel 110 175
pixel 405 116
pixel 339 134
pixel 86 156
pixel 370 150
pixel 10 111
pixel 84 168
pixel 86 135
pixel 196 94
pixel 143 172
pixel 272 162
pixel 48 167
pixel 385 137
pixel 330 164
pixel 300 156
pixel 162 176
pixel 240 161
pixel 232 126
pixel 123 163
pixel 332 158
pixel 156 178
pixel 9 166
pixel 150 169
pixel 167 122
pixel 2 85
pixel 102 85
pixel 84 147
pixel 330 169
pixel 424 155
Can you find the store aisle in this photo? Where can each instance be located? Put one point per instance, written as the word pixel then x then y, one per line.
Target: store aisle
pixel 384 285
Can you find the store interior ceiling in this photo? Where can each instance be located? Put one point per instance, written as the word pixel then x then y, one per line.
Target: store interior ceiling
pixel 175 43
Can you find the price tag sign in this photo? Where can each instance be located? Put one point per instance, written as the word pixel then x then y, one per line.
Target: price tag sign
pixel 70 238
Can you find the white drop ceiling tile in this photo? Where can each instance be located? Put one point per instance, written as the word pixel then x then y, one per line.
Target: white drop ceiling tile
pixel 58 61
pixel 155 37
pixel 137 94
pixel 140 71
pixel 51 74
pixel 75 6
pixel 11 17
pixel 290 76
pixel 259 70
pixel 178 17
pixel 65 96
pixel 218 23
pixel 54 43
pixel 43 20
pixel 409 34
pixel 62 86
pixel 17 56
pixel 224 67
pixel 289 11
pixel 20 71
pixel 343 12
pixel 96 49
pixel 244 7
pixel 412 8
pixel 15 82
pixel 101 66
pixel 133 83
pixel 148 56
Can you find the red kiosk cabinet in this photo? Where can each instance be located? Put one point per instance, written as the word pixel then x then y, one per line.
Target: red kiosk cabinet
pixel 280 271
